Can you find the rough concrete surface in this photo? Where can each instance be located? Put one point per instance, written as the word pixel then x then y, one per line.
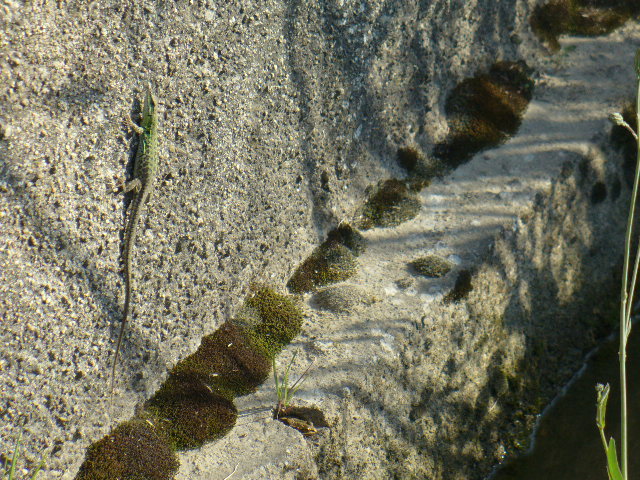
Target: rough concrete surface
pixel 275 117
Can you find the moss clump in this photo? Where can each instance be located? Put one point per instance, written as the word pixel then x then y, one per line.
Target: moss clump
pixel 485 110
pixel 462 287
pixel 389 204
pixel 194 405
pixel 342 298
pixel 580 17
pixel 419 168
pixel 134 450
pixel 598 193
pixel 329 263
pixel 408 158
pixel 229 361
pixel 345 234
pixel 280 321
pixel 190 412
pixel 431 266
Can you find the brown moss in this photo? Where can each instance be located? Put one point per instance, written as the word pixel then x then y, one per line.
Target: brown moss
pixel 229 361
pixel 333 261
pixel 461 288
pixel 580 17
pixel 420 169
pixel 329 263
pixel 598 193
pixel 135 450
pixel 390 203
pixel 304 419
pixel 408 158
pixel 194 405
pixel 189 411
pixel 592 21
pixel 348 236
pixel 431 266
pixel 484 110
pixel 549 21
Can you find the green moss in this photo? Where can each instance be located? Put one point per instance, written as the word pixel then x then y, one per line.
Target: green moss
pixel 333 261
pixel 420 169
pixel 348 236
pixel 485 110
pixel 189 411
pixel 329 263
pixel 229 361
pixel 135 450
pixel 280 320
pixel 194 405
pixel 461 288
pixel 343 298
pixel 432 266
pixel 390 203
pixel 580 17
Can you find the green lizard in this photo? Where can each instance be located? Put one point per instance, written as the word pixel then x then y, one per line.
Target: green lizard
pixel 144 170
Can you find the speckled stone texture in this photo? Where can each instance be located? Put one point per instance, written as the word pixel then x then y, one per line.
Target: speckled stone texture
pixel 275 116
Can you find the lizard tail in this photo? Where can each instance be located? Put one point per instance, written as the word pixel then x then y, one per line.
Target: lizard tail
pixel 127 309
pixel 129 239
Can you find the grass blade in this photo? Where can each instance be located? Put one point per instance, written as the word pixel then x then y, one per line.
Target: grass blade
pixel 612 462
pixel 14 458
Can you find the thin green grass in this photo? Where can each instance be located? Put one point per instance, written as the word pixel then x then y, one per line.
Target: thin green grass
pixel 615 470
pixel 10 470
pixel 284 391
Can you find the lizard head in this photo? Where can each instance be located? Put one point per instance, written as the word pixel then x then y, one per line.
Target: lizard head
pixel 148 108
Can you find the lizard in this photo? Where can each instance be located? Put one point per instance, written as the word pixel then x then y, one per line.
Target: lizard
pixel 144 171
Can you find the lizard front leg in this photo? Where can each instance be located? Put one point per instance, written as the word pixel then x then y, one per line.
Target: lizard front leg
pixel 134 185
pixel 132 125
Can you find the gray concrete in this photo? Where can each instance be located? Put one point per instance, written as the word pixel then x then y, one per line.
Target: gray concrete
pixel 275 118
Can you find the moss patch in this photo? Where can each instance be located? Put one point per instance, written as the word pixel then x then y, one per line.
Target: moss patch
pixel 190 412
pixel 329 263
pixel 598 193
pixel 135 450
pixel 389 204
pixel 408 158
pixel 484 111
pixel 348 236
pixel 431 266
pixel 195 404
pixel 580 17
pixel 420 169
pixel 280 320
pixel 343 298
pixel 462 287
pixel 229 361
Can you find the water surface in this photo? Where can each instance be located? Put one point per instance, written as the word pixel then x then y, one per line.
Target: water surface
pixel 568 445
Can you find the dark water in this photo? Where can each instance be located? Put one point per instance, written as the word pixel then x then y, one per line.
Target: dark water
pixel 568 445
